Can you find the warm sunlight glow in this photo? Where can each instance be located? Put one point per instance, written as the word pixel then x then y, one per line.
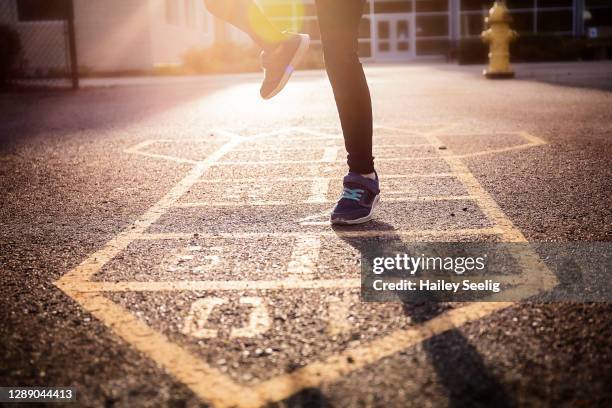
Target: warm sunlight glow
pixel 284 16
pixel 298 16
pixel 118 45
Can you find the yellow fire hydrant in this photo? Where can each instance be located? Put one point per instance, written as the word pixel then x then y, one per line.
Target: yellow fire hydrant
pixel 498 36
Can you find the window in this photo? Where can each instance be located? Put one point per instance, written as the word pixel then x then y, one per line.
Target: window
pixel 472 24
pixel 600 11
pixel 523 22
pixel 42 10
pixel 555 21
pixel 432 6
pixel 520 4
pixel 392 6
pixel 528 16
pixel 432 46
pixel 475 5
pixel 432 25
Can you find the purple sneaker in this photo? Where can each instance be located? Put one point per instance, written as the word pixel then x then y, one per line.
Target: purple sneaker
pixel 360 196
pixel 279 64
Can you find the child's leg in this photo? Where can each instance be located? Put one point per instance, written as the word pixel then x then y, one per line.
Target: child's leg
pixel 248 17
pixel 282 52
pixel 339 25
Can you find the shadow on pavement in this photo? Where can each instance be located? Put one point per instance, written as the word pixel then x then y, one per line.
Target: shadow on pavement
pixel 585 75
pixel 570 81
pixel 458 365
pixel 92 111
pixel 307 398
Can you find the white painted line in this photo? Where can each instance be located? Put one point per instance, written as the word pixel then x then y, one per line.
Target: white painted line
pixel 225 133
pixel 148 236
pixel 308 138
pixel 304 257
pixel 338 309
pixel 400 145
pixel 257 179
pixel 319 216
pixel 195 322
pixel 319 190
pixel 315 199
pixel 265 133
pixel 320 186
pixel 137 150
pixel 233 204
pixel 146 143
pixel 317 133
pixel 268 148
pixel 314 148
pixel 330 154
pixel 326 233
pixel 259 319
pixel 313 178
pixel 275 162
pixel 534 140
pixel 390 159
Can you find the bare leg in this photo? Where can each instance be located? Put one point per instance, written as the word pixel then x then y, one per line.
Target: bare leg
pixel 248 17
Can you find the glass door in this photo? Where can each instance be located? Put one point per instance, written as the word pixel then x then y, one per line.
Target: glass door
pixel 394 36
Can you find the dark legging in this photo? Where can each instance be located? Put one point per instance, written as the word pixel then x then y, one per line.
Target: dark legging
pixel 339 25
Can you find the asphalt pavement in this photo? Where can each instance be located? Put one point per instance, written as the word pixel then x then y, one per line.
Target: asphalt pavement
pixel 164 242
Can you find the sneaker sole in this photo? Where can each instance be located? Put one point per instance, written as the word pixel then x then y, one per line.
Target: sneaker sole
pixel 297 57
pixel 359 220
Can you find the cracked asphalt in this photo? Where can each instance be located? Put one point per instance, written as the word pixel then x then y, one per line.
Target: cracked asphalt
pixel 79 169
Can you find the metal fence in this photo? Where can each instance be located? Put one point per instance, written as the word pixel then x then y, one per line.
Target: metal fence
pixel 37 44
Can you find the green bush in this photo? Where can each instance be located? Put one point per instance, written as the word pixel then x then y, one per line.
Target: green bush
pixel 10 46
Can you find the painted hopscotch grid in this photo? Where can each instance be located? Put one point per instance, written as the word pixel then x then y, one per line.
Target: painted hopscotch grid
pixel 209 383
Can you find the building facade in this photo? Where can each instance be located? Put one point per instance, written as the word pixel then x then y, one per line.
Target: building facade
pixel 405 29
pixel 136 35
pixel 111 35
